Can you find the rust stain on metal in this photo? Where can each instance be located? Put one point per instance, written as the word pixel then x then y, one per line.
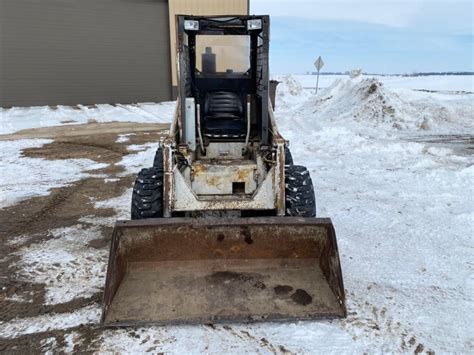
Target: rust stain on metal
pixel 213 180
pixel 280 198
pixel 199 169
pixel 235 248
pixel 244 174
pixel 167 179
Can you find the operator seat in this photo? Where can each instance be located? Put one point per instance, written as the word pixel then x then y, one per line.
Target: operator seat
pixel 223 115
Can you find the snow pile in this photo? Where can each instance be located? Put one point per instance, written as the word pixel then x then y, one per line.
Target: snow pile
pixel 441 112
pixel 447 84
pixel 367 101
pixel 67 266
pixel 288 91
pixel 289 86
pixel 363 100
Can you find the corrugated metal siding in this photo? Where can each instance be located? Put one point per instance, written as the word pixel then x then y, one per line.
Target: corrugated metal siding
pixel 200 8
pixel 84 51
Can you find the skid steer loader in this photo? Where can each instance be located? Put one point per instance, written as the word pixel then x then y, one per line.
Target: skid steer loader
pixel 223 225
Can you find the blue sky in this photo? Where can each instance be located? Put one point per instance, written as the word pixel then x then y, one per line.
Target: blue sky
pixel 378 36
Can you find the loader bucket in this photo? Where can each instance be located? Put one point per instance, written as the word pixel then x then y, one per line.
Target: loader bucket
pixel 184 270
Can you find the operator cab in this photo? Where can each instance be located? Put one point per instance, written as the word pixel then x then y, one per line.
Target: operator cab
pixel 225 67
pixel 225 149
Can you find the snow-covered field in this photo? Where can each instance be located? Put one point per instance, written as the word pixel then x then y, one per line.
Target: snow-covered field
pixel 403 209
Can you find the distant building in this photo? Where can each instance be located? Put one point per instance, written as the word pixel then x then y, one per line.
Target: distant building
pixel 89 51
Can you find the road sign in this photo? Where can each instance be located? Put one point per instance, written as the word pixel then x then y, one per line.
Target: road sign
pixel 319 63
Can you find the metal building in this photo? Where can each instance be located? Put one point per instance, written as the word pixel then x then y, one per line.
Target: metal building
pixel 93 51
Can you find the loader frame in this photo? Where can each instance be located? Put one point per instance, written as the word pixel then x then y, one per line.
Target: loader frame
pixel 177 196
pixel 270 192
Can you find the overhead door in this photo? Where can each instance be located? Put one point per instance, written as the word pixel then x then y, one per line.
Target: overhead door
pixel 83 52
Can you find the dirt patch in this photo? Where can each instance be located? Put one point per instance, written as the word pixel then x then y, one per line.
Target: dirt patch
pixel 61 208
pixel 35 217
pixel 90 129
pixel 31 221
pixel 101 148
pixel 86 341
pixel 372 88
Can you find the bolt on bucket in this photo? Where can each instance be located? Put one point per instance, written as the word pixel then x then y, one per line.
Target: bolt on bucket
pixel 183 270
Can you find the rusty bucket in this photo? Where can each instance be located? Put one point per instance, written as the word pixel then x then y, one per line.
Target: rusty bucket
pixel 184 270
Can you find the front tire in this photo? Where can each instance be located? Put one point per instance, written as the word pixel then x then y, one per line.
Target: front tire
pixel 147 196
pixel 300 200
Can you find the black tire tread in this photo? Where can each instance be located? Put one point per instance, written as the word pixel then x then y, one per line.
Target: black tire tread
pixel 300 200
pixel 147 196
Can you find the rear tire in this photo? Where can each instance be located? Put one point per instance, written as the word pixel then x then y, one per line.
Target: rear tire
pixel 147 197
pixel 299 192
pixel 288 156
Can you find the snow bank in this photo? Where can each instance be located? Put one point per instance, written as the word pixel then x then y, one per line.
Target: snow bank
pixel 289 86
pixel 362 99
pixel 289 91
pixel 367 101
pixel 439 83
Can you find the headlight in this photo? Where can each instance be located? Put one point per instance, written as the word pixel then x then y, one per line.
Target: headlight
pixel 191 25
pixel 254 24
